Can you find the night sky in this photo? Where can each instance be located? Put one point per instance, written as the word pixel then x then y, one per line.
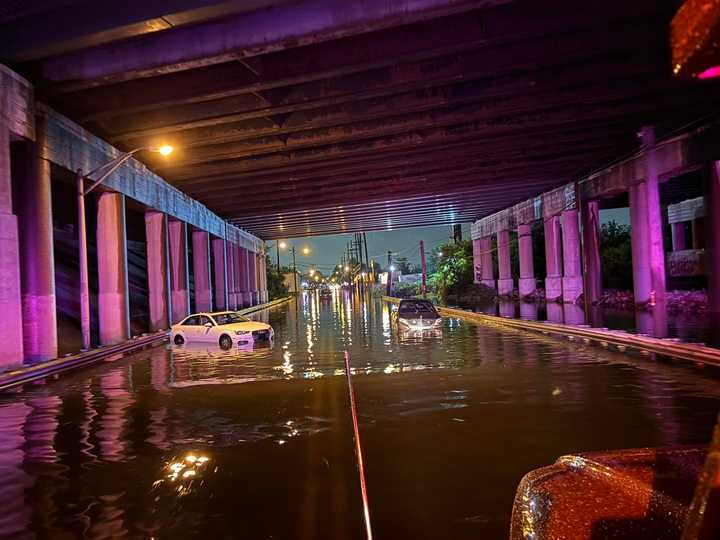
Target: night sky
pixel 325 251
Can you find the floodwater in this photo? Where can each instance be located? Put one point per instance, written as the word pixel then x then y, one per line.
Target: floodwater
pixel 188 442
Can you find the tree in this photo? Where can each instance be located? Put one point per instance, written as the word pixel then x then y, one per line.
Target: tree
pixel 276 280
pixel 454 268
pixel 616 255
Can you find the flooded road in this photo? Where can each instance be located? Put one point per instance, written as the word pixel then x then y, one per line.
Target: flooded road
pixel 188 442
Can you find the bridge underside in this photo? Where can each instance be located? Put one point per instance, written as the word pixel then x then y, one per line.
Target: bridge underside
pixel 310 118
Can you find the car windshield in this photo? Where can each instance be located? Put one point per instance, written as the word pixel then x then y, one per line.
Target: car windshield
pixel 229 318
pixel 419 307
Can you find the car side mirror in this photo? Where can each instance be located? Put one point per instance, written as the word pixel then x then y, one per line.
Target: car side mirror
pixel 208 325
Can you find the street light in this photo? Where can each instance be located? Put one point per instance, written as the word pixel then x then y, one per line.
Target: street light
pixel 106 170
pixel 306 251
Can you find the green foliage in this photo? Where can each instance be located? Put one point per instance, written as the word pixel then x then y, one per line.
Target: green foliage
pixel 454 268
pixel 616 255
pixel 275 282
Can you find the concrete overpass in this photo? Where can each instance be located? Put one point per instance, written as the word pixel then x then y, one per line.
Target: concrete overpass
pixel 307 118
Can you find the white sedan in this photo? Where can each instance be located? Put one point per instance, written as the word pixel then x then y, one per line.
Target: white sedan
pixel 226 328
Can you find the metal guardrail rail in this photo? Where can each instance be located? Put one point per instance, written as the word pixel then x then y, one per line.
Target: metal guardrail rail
pixel 18 377
pixel 601 336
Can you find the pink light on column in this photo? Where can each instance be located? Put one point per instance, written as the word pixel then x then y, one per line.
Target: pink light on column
pixel 710 73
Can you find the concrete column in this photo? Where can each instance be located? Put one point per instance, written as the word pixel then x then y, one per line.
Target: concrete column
pixel 553 258
pixel 487 267
pixel 505 281
pixel 113 306
pixel 201 270
pixel 157 270
pixel 218 249
pixel 698 233
pixel 263 278
pixel 252 274
pixel 527 284
pixel 640 243
pixel 654 215
pixel 11 332
pixel 240 277
pixel 244 256
pixel 180 292
pixel 712 221
pixel 231 262
pixel 37 264
pixel 477 261
pixel 678 236
pixel 590 216
pixel 572 282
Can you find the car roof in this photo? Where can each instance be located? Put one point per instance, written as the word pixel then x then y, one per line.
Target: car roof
pixel 210 313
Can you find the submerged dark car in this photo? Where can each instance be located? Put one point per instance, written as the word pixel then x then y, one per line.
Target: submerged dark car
pixel 417 314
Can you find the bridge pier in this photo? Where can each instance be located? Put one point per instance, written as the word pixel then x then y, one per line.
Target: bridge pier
pixel 590 216
pixel 240 277
pixel 231 261
pixel 488 270
pixel 505 280
pixel 477 261
pixel 527 284
pixel 553 258
pixel 220 273
pixel 31 172
pixel 201 270
pixel 245 297
pixel 712 221
pixel 180 296
pixel 572 281
pixel 113 299
pixel 252 277
pixel 156 236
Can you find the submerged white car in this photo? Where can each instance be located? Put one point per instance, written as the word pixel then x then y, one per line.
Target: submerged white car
pixel 225 328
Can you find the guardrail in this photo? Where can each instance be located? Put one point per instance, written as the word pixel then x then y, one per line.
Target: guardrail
pixel 20 376
pixel 601 336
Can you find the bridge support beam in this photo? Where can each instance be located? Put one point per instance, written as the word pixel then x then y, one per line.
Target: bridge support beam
pixel 262 274
pixel 245 296
pixel 477 261
pixel 488 270
pixel 572 282
pixel 231 261
pixel 252 277
pixel 11 332
pixel 505 279
pixel 156 236
pixel 640 241
pixel 553 257
pixel 113 299
pixel 590 215
pixel 654 216
pixel 220 274
pixel 179 270
pixel 527 285
pixel 201 270
pixel 32 179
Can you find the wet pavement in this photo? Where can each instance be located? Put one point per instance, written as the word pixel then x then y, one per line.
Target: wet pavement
pixel 183 442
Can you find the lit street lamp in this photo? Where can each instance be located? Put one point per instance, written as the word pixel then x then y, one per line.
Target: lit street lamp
pixel 107 169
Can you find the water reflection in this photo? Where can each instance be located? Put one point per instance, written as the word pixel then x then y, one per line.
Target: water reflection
pixel 181 442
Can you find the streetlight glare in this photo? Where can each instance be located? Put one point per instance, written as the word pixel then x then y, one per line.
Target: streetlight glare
pixel 165 150
pixel 306 250
pixel 347 268
pixel 283 245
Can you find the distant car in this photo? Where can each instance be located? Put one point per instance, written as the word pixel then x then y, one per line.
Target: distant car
pixel 417 314
pixel 225 328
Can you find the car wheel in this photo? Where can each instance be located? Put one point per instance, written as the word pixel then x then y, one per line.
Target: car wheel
pixel 179 340
pixel 225 342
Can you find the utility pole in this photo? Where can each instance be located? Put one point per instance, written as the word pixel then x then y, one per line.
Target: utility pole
pixel 390 274
pixel 457 233
pixel 367 260
pixel 424 268
pixel 295 278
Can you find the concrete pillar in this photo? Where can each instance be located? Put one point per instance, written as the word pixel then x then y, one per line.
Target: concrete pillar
pixel 37 265
pixel 113 306
pixel 157 269
pixel 252 275
pixel 698 233
pixel 553 258
pixel 654 216
pixel 678 236
pixel 241 291
pixel 572 283
pixel 487 267
pixel 263 278
pixel 640 243
pixel 180 293
pixel 477 261
pixel 244 276
pixel 590 216
pixel 11 332
pixel 218 249
pixel 712 222
pixel 527 283
pixel 201 270
pixel 505 280
pixel 231 262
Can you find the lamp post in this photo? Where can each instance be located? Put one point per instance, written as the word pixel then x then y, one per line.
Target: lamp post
pixel 294 270
pixel 107 169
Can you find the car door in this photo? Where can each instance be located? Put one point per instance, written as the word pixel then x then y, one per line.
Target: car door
pixel 190 327
pixel 206 333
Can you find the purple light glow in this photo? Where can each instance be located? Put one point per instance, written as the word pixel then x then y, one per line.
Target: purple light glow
pixel 710 73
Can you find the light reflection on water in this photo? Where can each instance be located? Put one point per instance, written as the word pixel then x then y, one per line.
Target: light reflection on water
pixel 180 442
